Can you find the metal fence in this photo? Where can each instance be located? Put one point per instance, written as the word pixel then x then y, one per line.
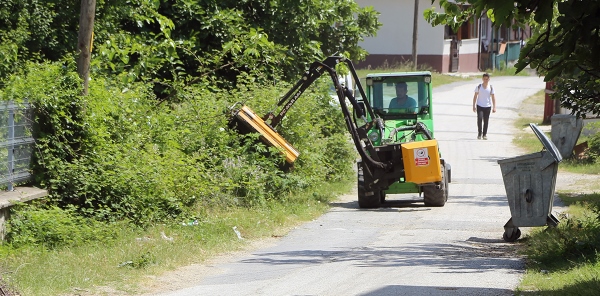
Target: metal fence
pixel 16 144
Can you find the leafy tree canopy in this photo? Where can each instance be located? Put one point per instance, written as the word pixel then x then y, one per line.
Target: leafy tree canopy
pixel 173 44
pixel 563 47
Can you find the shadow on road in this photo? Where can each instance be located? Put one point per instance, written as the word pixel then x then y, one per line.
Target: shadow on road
pixel 416 204
pixel 388 204
pixel 460 257
pixel 433 290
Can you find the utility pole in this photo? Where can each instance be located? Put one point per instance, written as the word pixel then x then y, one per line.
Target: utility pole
pixel 84 41
pixel 415 30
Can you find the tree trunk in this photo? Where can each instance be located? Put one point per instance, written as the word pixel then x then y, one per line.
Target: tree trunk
pixel 414 39
pixel 84 41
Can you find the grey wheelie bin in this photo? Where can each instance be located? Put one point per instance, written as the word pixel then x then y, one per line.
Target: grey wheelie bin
pixel 565 132
pixel 529 181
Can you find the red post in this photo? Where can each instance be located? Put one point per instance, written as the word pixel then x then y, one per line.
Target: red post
pixel 548 102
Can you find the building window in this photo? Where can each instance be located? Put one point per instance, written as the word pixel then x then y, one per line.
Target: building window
pixel 473 26
pixel 448 33
pixel 468 30
pixel 484 28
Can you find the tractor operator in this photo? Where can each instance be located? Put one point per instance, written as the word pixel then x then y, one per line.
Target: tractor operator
pixel 402 100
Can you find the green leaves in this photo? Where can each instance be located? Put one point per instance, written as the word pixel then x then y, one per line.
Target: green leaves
pixel 173 44
pixel 454 15
pixel 545 11
pixel 578 92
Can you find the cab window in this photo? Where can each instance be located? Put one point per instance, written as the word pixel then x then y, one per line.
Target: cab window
pixel 398 97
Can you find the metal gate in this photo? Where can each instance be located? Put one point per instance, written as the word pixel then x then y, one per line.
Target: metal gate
pixel 16 143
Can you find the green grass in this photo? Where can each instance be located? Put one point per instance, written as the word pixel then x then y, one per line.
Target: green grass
pixel 579 280
pixel 538 98
pixel 437 78
pixel 564 260
pixel 580 167
pixel 510 71
pixel 126 263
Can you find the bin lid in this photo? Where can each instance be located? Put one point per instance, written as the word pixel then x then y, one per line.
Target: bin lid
pixel 546 142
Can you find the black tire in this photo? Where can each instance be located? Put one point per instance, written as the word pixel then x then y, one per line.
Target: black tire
pixel 437 197
pixel 366 199
pixel 446 177
pixel 512 236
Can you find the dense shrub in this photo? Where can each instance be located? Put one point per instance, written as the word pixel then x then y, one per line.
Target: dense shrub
pixel 594 143
pixel 54 227
pixel 120 154
pixel 575 239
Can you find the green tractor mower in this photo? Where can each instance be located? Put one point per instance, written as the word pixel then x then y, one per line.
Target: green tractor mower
pixel 391 125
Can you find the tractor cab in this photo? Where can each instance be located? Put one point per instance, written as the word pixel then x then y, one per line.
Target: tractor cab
pixel 383 92
pixel 400 99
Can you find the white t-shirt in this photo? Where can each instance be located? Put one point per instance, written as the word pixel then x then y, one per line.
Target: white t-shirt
pixel 484 97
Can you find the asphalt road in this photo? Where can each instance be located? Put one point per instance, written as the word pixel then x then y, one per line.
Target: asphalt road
pixel 404 248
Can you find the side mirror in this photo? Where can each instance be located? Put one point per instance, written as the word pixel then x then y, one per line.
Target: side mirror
pixel 361 111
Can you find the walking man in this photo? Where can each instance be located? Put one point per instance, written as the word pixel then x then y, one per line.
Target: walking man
pixel 484 102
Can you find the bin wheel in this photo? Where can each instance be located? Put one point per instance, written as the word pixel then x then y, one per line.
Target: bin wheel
pixel 512 236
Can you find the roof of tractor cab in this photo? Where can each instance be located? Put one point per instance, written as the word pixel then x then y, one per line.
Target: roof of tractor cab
pixel 396 74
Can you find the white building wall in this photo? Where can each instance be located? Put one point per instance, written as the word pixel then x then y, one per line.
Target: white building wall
pixel 469 46
pixel 446 47
pixel 395 34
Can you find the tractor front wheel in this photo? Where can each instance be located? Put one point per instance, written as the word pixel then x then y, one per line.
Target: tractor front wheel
pixel 367 199
pixel 437 197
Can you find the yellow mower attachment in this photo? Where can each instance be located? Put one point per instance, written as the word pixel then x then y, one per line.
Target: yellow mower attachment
pixel 253 123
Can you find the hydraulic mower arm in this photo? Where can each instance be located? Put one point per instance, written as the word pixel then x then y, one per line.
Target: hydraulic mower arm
pixel 358 133
pixel 315 71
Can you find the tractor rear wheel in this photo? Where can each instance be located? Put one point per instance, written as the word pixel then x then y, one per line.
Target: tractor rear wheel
pixel 367 199
pixel 437 197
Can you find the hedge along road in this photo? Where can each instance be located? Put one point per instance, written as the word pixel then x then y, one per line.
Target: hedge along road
pixel 403 248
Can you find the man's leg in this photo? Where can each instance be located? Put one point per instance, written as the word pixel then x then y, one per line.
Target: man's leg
pixel 486 118
pixel 479 121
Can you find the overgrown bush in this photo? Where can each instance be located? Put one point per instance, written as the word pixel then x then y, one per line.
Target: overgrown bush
pixel 594 142
pixel 54 227
pixel 574 239
pixel 120 154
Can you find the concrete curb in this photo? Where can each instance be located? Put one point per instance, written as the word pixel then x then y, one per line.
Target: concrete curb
pixel 9 198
